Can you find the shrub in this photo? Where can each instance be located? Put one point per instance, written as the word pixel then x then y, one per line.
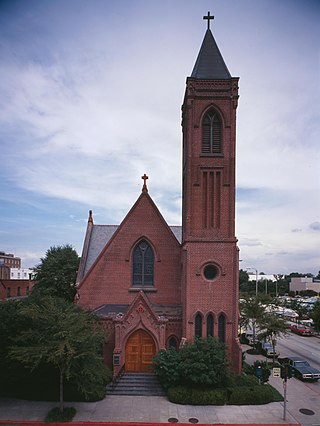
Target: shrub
pixel 251 369
pixel 242 380
pixel 195 396
pixel 165 366
pixel 202 363
pixel 55 415
pixel 253 395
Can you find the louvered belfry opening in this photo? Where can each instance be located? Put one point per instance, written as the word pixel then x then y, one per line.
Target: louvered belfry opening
pixel 211 133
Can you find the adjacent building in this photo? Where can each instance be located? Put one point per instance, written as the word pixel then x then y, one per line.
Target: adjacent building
pixel 298 284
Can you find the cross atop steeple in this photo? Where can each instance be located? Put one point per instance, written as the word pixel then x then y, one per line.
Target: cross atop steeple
pixel 144 188
pixel 208 18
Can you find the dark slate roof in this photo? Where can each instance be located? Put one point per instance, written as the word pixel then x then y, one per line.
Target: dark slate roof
pixel 210 64
pixel 100 236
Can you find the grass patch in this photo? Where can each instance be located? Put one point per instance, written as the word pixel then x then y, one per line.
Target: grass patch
pixel 55 415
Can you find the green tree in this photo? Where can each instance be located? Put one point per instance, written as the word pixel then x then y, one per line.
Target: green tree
pixel 300 309
pixel 252 314
pixel 57 272
pixel 10 324
pixel 275 327
pixel 64 336
pixel 315 315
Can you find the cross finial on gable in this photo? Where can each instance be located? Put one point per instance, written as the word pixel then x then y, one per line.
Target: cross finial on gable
pixel 208 18
pixel 144 188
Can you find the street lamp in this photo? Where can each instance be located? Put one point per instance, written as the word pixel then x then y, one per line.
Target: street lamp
pixel 256 271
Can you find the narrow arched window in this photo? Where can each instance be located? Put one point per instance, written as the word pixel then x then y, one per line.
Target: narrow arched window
pixel 142 265
pixel 173 343
pixel 211 133
pixel 210 325
pixel 198 326
pixel 222 328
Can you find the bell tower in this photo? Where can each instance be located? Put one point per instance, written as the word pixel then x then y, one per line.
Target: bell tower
pixel 210 253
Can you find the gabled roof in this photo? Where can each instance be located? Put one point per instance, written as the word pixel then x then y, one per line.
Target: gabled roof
pixel 210 64
pixel 98 236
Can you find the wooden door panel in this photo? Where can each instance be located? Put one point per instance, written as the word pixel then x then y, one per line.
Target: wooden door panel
pixel 140 350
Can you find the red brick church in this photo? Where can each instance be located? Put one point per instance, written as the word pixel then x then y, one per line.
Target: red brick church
pixel 158 285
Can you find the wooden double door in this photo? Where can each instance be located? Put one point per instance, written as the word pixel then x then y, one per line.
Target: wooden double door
pixel 140 350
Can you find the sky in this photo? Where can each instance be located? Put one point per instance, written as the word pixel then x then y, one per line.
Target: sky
pixel 90 100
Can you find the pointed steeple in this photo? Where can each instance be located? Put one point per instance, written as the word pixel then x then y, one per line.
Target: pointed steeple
pixel 210 64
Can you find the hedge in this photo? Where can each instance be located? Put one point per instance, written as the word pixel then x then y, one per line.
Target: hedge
pixel 254 395
pixel 239 395
pixel 194 396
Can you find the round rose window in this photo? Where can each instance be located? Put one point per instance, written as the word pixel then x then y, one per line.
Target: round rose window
pixel 210 272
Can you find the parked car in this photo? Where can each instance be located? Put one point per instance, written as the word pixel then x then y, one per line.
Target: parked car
pixel 301 329
pixel 301 368
pixel 259 335
pixel 267 350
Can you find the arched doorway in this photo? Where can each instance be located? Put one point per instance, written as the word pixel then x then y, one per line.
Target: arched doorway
pixel 140 350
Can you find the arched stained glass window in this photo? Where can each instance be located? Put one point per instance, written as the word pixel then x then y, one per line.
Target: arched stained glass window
pixel 222 328
pixel 198 326
pixel 143 262
pixel 210 325
pixel 211 133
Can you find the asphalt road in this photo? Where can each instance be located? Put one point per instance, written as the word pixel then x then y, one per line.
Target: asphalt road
pixel 305 347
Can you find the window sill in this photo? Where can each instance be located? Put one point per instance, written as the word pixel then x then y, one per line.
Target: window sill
pixel 212 155
pixel 145 289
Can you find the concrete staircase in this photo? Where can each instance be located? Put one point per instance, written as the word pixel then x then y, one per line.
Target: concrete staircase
pixel 142 384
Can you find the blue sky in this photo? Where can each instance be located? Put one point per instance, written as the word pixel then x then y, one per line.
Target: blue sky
pixel 90 97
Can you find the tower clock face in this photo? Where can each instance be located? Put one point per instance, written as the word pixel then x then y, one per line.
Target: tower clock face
pixel 210 272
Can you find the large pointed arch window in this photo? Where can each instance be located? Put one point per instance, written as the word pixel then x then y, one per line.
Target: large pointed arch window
pixel 211 133
pixel 142 265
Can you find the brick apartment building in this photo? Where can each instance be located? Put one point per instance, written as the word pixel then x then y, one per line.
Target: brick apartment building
pixel 13 284
pixel 157 285
pixel 9 260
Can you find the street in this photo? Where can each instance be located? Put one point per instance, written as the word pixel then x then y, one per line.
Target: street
pixel 300 395
pixel 305 347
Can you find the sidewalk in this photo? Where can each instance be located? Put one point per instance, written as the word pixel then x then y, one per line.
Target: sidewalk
pixel 153 409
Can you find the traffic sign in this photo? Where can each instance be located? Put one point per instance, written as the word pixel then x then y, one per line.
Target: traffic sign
pixel 276 372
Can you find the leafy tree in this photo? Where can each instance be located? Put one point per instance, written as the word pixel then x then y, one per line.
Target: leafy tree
pixel 308 293
pixel 56 274
pixel 252 314
pixel 62 335
pixel 275 327
pixel 301 310
pixel 10 324
pixel 315 315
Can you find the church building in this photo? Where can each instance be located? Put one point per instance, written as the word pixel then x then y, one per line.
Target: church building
pixel 157 285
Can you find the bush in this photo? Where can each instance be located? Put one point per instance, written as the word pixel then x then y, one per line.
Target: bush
pixel 165 366
pixel 251 369
pixel 253 395
pixel 195 396
pixel 202 363
pixel 242 380
pixel 55 415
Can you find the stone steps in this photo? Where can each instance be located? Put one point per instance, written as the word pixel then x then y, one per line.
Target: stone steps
pixel 138 384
